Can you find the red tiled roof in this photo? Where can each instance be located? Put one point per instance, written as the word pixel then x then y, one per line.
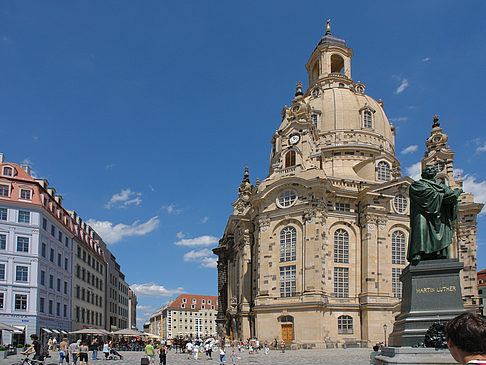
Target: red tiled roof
pixel 197 305
pixel 482 276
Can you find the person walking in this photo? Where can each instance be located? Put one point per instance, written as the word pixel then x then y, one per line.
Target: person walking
pixel 74 350
pixel 94 347
pixel 196 351
pixel 222 355
pixel 106 350
pixel 83 353
pixel 64 351
pixel 150 352
pixel 35 348
pixel 163 355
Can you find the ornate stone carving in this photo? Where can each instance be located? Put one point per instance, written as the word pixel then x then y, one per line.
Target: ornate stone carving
pixel 263 223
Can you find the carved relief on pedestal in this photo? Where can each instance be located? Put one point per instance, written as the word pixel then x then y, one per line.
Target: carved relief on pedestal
pixel 263 223
pixel 369 221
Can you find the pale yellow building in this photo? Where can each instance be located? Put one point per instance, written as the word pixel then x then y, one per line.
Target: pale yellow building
pixel 313 253
pixel 189 316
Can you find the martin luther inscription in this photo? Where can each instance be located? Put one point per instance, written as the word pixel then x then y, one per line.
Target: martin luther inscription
pixel 442 289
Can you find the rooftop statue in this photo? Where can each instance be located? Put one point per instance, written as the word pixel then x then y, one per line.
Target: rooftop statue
pixel 432 214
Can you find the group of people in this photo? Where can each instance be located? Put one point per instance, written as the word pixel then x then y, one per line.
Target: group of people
pixel 74 351
pixel 160 349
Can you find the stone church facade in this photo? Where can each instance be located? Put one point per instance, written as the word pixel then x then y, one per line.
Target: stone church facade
pixel 313 253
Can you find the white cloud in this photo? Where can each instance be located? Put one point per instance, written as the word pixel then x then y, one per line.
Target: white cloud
pixel 402 87
pixel 399 119
pixel 477 188
pixel 115 233
pixel 124 198
pixel 154 290
pixel 204 256
pixel 204 220
pixel 198 241
pixel 109 166
pixel 415 171
pixel 410 149
pixel 426 59
pixel 481 148
pixel 35 138
pixel 145 308
pixel 151 188
pixel 180 235
pixel 171 209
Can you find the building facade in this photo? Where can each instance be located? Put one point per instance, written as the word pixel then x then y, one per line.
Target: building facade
pixel 188 315
pixel 89 278
pixel 313 253
pixel 35 256
pixel 132 309
pixel 482 290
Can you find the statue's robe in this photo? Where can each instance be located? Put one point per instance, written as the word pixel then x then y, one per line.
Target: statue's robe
pixel 432 213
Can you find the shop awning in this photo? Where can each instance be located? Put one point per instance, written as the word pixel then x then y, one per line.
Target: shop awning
pixel 55 331
pixel 62 331
pixel 6 327
pixel 47 330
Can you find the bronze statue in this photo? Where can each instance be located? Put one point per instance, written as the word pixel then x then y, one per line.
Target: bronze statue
pixel 432 214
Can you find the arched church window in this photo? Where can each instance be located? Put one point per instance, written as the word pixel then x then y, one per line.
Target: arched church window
pixel 398 248
pixel 341 246
pixel 290 159
pixel 337 64
pixel 383 171
pixel 400 203
pixel 345 325
pixel 367 119
pixel 288 243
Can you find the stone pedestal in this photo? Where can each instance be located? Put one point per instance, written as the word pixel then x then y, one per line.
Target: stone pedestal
pixel 414 356
pixel 431 293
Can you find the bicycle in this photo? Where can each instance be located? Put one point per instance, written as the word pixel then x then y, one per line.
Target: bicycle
pixel 28 361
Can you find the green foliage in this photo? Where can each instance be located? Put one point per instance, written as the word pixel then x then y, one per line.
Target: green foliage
pixel 19 345
pixel 2 348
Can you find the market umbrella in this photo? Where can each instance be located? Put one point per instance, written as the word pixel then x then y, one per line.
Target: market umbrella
pixel 6 327
pixel 89 331
pixel 151 335
pixel 128 332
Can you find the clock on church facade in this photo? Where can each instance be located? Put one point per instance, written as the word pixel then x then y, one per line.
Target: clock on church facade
pixel 313 253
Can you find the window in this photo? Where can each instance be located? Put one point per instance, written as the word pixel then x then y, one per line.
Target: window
pixel 51 281
pixel 290 159
pixel 24 216
pixel 58 309
pixel 25 194
pixel 341 246
pixel 342 207
pixel 21 302
pixel 367 119
pixel 287 198
pixel 396 284
pixel 50 306
pixel 44 223
pixel 383 171
pixel 22 274
pixel 22 244
pixel 43 277
pixel 288 242
pixel 400 203
pixel 59 260
pixel 345 325
pixel 53 230
pixel 4 190
pixel 58 284
pixel 43 249
pixel 2 299
pixel 398 248
pixel 65 287
pixel 51 256
pixel 3 214
pixel 3 241
pixel 66 264
pixel 287 281
pixel 42 305
pixel 7 171
pixel 65 311
pixel 184 300
pixel 2 271
pixel 314 120
pixel 341 282
pixel 60 236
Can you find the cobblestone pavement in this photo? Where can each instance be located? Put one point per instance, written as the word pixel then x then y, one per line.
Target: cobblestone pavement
pixel 297 357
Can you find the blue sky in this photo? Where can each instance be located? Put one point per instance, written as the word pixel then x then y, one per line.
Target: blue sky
pixel 144 114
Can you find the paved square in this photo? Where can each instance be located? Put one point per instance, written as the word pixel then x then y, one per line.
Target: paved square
pixel 298 357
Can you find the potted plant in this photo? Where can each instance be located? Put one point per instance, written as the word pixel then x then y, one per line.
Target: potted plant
pixel 3 352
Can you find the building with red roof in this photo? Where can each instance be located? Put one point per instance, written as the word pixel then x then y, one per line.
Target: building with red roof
pixel 482 290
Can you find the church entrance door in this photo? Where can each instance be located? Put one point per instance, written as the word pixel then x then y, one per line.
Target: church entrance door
pixel 287 332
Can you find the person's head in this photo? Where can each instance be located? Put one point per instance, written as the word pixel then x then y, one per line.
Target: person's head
pixel 376 348
pixel 466 335
pixel 429 172
pixel 34 337
pixel 65 339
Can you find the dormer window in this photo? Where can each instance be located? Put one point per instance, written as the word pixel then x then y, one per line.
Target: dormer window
pixel 383 171
pixel 360 89
pixel 7 171
pixel 315 92
pixel 367 119
pixel 290 159
pixel 25 194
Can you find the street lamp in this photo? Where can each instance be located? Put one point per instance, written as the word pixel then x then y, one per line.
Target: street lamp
pixel 384 329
